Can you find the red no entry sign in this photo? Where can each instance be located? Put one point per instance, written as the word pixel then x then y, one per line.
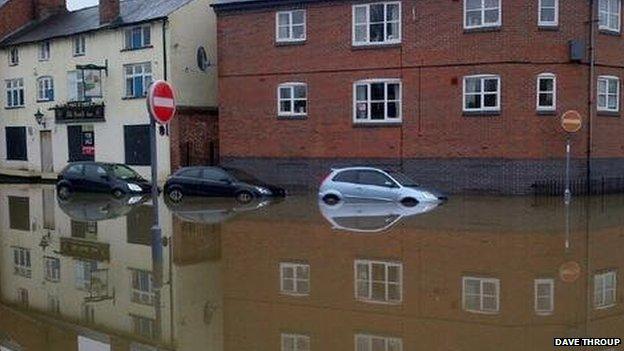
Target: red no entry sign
pixel 161 102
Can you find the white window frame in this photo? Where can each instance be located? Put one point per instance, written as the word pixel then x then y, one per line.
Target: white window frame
pixel 498 23
pixel 481 295
pixel 44 51
pixel 543 23
pixel 369 102
pixel 79 45
pixel 369 281
pixel 608 14
pixel 290 25
pixel 540 77
pixel 45 84
pixel 608 94
pixel 146 82
pixel 22 262
pixel 143 295
pixel 15 88
pixel 13 56
pixel 366 340
pixel 368 41
pixel 600 290
pixel 550 296
pixel 483 108
pixel 75 86
pixel 292 99
pixel 296 338
pixel 52 273
pixel 146 28
pixel 296 279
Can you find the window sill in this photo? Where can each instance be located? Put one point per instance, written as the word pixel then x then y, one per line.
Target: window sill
pixel 13 64
pixel 610 32
pixel 134 97
pixel 13 107
pixel 481 113
pixel 546 112
pixel 377 124
pixel 372 46
pixel 44 101
pixel 290 42
pixel 79 55
pixel 137 49
pixel 548 27
pixel 609 113
pixel 495 28
pixel 292 117
pixel 43 60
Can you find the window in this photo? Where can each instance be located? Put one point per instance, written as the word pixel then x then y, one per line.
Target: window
pixel 16 148
pixel 52 269
pixel 295 342
pixel 605 289
pixel 481 93
pixel 45 89
pixel 19 213
pixel 48 205
pixel 54 304
pixel 548 15
pixel 292 99
pixel 290 26
pixel 21 262
pixel 608 94
pixel 481 295
pixel 377 101
pixel 544 296
pixel 137 145
pixel 144 326
pixel 44 51
pixel 367 342
pixel 85 230
pixel 75 86
pixel 138 37
pixel 22 296
pixel 13 57
pixel 375 24
pixel 375 178
pixel 546 92
pixel 14 93
pixel 482 13
pixel 609 15
pixel 294 278
pixel 84 273
pixel 142 288
pixel 346 177
pixel 139 226
pixel 378 281
pixel 79 45
pixel 88 314
pixel 138 79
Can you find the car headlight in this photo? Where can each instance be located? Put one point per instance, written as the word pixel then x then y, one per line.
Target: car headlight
pixel 263 191
pixel 134 187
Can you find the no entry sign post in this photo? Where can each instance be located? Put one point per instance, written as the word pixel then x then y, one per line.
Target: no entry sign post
pixel 571 122
pixel 161 106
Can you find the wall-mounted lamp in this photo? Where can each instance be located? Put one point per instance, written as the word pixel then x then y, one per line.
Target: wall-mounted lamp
pixel 39 117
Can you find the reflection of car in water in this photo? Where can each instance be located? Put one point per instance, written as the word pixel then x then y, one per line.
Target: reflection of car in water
pixel 370 217
pixel 213 210
pixel 98 207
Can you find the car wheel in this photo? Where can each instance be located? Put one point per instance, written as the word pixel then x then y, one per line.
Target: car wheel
pixel 64 191
pixel 118 193
pixel 331 199
pixel 409 202
pixel 244 197
pixel 175 195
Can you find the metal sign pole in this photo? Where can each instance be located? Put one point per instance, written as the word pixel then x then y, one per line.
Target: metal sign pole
pixel 568 193
pixel 157 250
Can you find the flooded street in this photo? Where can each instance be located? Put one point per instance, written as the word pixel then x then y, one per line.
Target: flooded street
pixel 476 273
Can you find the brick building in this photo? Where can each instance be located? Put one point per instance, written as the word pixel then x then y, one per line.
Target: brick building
pixel 464 95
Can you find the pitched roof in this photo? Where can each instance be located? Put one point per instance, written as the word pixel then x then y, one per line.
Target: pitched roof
pixel 88 19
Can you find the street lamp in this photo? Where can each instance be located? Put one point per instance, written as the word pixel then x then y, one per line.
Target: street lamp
pixel 39 117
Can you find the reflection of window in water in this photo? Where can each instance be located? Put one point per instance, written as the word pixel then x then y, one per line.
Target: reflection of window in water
pixel 52 269
pixel 19 213
pixel 144 326
pixel 88 313
pixel 295 342
pixel 481 295
pixel 48 208
pixel 366 223
pixel 139 223
pixel 142 287
pixel 84 230
pixel 21 262
pixel 378 281
pixel 84 274
pixel 605 289
pixel 367 342
pixel 295 278
pixel 22 296
pixel 544 296
pixel 54 304
pixel 141 347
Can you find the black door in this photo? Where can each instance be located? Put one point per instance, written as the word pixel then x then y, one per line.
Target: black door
pixel 79 143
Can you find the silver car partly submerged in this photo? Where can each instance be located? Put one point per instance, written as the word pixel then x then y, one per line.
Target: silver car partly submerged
pixel 368 183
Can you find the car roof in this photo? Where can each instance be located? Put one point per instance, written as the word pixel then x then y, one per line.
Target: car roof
pixel 358 168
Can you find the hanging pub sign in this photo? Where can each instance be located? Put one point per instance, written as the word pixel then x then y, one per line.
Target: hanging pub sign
pixel 92 79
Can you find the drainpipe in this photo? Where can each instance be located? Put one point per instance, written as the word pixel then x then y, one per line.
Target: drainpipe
pixel 592 89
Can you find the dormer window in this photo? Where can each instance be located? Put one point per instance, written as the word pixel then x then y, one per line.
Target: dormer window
pixel 138 37
pixel 44 51
pixel 79 45
pixel 13 57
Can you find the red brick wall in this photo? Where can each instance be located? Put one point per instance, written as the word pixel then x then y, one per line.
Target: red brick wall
pixel 191 132
pixel 434 54
pixel 14 14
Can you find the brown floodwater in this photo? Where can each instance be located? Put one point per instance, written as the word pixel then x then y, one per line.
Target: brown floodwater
pixel 475 273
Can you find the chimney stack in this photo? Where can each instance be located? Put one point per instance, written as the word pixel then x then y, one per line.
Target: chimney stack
pixel 46 8
pixel 109 11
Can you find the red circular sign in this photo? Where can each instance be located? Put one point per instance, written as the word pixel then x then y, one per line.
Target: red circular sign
pixel 571 121
pixel 161 102
pixel 569 272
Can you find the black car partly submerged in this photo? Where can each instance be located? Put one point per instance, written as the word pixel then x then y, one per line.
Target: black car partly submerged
pixel 218 182
pixel 97 177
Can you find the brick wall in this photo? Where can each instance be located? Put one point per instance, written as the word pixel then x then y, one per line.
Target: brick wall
pixel 192 132
pixel 15 14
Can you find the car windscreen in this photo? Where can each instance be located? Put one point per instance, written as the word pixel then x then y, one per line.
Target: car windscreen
pixel 402 178
pixel 125 172
pixel 243 176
